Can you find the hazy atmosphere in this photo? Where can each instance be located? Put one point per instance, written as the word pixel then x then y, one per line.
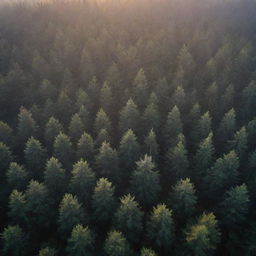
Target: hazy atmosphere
pixel 128 128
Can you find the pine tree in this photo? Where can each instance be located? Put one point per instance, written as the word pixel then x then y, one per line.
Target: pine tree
pixel 129 117
pixel 6 134
pixel 203 237
pixel 251 134
pixel 106 99
pixel 183 199
pixel 115 81
pixel 192 123
pixel 116 244
pixel 172 128
pixel 82 182
pixel 131 227
pixel 162 91
pixel 151 146
pixel 63 150
pixel 37 197
pixel 176 160
pixel 141 90
pixel 204 126
pixel 17 176
pixel 249 97
pixel 12 86
pixel 35 157
pixel 35 111
pixel 103 201
pixel 239 144
pixel 153 99
pixel 14 241
pixel 76 128
pixel 179 98
pixel 85 117
pixel 48 110
pixel 187 64
pixel 85 148
pixel 47 251
pixel 70 214
pixel 82 99
pixel 147 252
pixel 102 122
pixel 5 158
pixel 204 157
pixel 227 128
pixel 151 118
pixel 250 176
pixel 18 208
pixel 222 175
pixel 87 69
pixel 211 97
pixel 64 105
pixel 145 184
pixel 160 228
pixel 81 242
pixel 47 91
pixel 234 207
pixel 93 90
pixel 129 152
pixel 55 179
pixel 107 162
pixel 227 99
pixel 103 136
pixel 26 126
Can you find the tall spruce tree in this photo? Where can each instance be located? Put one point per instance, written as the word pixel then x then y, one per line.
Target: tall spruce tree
pixel 38 213
pixel 103 201
pixel 151 146
pixel 14 241
pixel 70 214
pixel 203 237
pixel 55 179
pixel 17 176
pixel 160 228
pixel 76 127
pixel 128 219
pixel 176 160
pixel 141 90
pixel 81 241
pixel 102 122
pixel 82 181
pixel 52 130
pixel 129 152
pixel 26 126
pixel 6 157
pixel 222 175
pixel 183 199
pixel 63 150
pixel 35 157
pixel 107 162
pixel 129 117
pixel 116 244
pixel 85 148
pixel 173 127
pixel 234 207
pixel 145 183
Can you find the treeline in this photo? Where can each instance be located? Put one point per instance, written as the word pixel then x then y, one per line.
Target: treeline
pixel 128 128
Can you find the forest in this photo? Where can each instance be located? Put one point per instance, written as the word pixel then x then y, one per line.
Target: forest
pixel 128 128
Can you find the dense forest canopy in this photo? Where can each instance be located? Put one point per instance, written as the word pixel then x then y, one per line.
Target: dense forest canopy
pixel 128 128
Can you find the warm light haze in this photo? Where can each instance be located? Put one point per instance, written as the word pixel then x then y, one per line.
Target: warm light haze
pixel 127 127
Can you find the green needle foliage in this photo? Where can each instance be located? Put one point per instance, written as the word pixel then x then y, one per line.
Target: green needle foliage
pixel 126 126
